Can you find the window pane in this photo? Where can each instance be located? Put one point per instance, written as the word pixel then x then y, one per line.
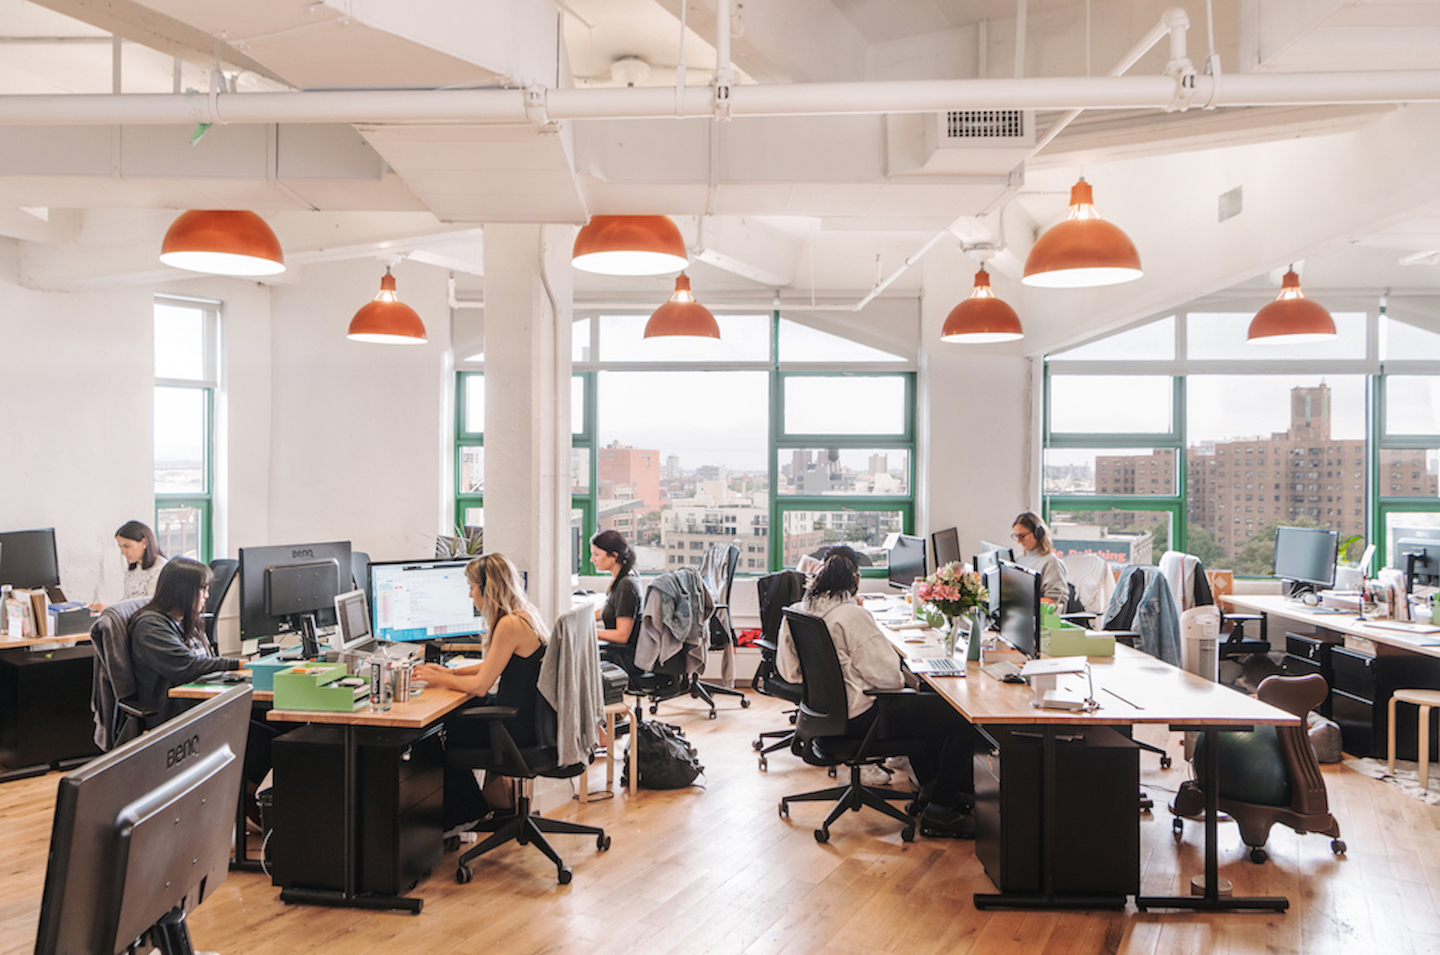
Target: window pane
pixel 475 516
pixel 802 343
pixel 1412 404
pixel 811 532
pixel 1409 472
pixel 1152 342
pixel 1110 471
pixel 742 338
pixel 1272 449
pixel 1400 340
pixel 180 342
pixel 177 530
pixel 855 404
pixel 580 340
pixel 1402 526
pixel 854 471
pixel 577 405
pixel 181 442
pixel 681 438
pixel 1121 537
pixel 580 470
pixel 579 546
pixel 1110 404
pixel 472 470
pixel 1220 336
pixel 472 404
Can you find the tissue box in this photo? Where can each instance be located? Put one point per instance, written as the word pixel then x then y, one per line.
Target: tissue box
pixel 1068 640
pixel 316 686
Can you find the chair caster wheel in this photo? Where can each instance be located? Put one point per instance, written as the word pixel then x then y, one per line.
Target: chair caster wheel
pixel 654 708
pixel 602 843
pixel 452 843
pixel 907 834
pixel 822 835
pixel 712 714
pixel 1165 762
pixel 1337 846
pixel 831 771
pixel 784 811
pixel 463 874
pixel 764 765
pixel 565 875
pixel 758 745
pixel 1258 856
pixel 744 702
pixel 1178 828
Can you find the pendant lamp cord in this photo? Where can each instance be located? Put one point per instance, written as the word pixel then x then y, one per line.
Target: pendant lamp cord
pixel 1212 58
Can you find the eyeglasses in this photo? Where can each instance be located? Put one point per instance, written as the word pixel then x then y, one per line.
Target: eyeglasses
pixel 1021 536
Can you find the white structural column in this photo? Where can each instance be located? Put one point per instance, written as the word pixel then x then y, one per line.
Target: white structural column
pixel 527 405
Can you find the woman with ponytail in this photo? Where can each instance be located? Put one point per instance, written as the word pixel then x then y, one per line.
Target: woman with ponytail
pixel 612 554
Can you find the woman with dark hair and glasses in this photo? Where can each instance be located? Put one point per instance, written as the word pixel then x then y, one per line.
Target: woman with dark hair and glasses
pixel 1037 552
pixel 167 638
pixel 868 662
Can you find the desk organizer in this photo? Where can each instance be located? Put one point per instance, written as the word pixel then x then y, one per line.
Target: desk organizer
pixel 313 686
pixel 263 670
pixel 1068 640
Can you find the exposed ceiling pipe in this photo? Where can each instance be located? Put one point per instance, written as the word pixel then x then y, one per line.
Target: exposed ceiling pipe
pixel 457 302
pixel 402 107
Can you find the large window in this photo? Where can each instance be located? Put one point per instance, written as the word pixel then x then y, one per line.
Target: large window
pixel 187 362
pixel 680 444
pixel 1199 441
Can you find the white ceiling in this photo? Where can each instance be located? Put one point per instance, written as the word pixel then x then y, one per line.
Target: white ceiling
pixel 812 205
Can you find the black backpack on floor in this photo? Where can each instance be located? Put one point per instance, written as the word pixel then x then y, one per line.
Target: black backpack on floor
pixel 666 758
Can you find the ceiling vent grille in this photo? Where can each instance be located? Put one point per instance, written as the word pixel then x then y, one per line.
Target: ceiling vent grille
pixel 973 124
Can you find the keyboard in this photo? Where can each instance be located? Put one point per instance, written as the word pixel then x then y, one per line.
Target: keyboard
pixel 937 666
pixel 1001 669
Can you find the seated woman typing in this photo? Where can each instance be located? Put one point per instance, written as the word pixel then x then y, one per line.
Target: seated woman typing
pixel 513 647
pixel 612 554
pixel 1038 554
pixel 869 662
pixel 167 638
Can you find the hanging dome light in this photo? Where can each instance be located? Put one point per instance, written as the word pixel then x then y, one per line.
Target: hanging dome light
pixel 629 245
pixel 682 315
pixel 222 242
pixel 1292 319
pixel 387 320
pixel 1084 251
pixel 982 318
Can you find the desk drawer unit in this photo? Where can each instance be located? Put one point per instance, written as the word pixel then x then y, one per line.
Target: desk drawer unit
pixel 1361 693
pixel 1097 780
pixel 1305 655
pixel 45 706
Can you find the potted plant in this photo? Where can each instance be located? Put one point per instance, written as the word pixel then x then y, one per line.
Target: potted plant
pixel 948 594
pixel 466 542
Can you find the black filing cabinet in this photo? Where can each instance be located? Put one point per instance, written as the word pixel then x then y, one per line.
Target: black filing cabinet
pixel 399 808
pixel 1096 847
pixel 1361 693
pixel 1306 654
pixel 45 706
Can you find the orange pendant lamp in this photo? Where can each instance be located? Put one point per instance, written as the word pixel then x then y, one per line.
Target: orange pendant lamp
pixel 1292 319
pixel 387 320
pixel 982 318
pixel 1084 251
pixel 682 315
pixel 222 242
pixel 629 245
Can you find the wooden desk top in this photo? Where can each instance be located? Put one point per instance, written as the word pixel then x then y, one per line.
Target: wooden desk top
pixel 1345 623
pixel 415 713
pixel 203 691
pixel 1131 687
pixel 68 638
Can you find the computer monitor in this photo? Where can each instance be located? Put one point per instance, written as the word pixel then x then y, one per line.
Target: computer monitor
pixel 323 570
pixel 27 559
pixel 906 560
pixel 352 620
pixel 1020 608
pixel 1305 556
pixel 1002 549
pixel 422 600
pixel 946 544
pixel 144 831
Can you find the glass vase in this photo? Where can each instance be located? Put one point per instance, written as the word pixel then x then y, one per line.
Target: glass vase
pixel 977 630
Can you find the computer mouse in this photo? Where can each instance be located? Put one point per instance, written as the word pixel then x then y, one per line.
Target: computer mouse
pixel 234 676
pixel 1014 678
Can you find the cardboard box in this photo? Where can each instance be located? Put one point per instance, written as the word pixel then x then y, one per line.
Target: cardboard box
pixel 1068 640
pixel 316 686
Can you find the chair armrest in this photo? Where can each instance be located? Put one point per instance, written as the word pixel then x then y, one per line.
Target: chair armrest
pixel 129 709
pixel 488 712
pixel 1239 618
pixel 903 691
pixel 1080 615
pixel 1126 636
pixel 764 644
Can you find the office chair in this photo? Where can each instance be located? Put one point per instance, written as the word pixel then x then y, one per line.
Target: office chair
pixel 112 688
pixel 820 738
pixel 1279 778
pixel 360 572
pixel 224 569
pixel 1091 586
pixel 721 560
pixel 505 758
pixel 1190 587
pixel 678 673
pixel 777 591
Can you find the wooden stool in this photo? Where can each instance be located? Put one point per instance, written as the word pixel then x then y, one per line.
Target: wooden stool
pixel 612 710
pixel 1425 699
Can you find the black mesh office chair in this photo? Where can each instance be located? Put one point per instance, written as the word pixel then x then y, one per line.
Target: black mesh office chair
pixel 820 738
pixel 224 570
pixel 679 674
pixel 777 591
pixel 721 629
pixel 524 765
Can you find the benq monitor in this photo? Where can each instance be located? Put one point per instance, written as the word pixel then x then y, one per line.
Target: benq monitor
pixel 1306 556
pixel 906 560
pixel 422 600
pixel 141 835
pixel 27 559
pixel 1020 608
pixel 269 567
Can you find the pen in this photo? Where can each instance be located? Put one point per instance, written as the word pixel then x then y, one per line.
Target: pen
pixel 1121 698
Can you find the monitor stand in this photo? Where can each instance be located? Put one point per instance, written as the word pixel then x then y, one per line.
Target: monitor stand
pixel 309 642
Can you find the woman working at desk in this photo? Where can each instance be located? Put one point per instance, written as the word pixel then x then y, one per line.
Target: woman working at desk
pixel 167 639
pixel 612 554
pixel 1030 532
pixel 868 662
pixel 513 648
pixel 143 560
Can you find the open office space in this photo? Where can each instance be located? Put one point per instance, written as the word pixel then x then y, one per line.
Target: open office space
pixel 833 219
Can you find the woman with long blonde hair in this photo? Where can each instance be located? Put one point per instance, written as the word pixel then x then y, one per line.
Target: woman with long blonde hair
pixel 512 648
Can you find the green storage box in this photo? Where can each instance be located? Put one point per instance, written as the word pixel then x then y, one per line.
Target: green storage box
pixel 316 686
pixel 1068 640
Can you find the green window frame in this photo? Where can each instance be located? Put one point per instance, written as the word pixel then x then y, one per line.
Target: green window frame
pixel 468 434
pixel 206 380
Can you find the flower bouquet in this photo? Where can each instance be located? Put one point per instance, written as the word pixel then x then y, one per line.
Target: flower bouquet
pixel 949 593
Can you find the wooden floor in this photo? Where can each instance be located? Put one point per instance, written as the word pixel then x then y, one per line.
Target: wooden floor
pixel 717 870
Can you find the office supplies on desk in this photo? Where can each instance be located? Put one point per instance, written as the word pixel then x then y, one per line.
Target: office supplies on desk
pixel 936 666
